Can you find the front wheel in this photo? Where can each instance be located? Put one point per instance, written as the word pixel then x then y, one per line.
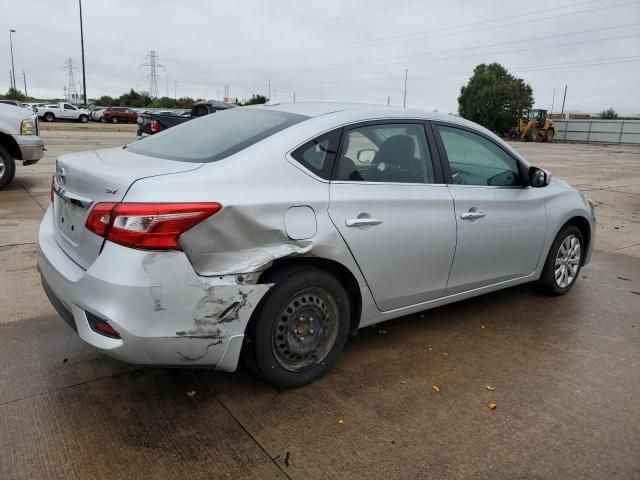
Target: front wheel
pixel 114 119
pixel 564 261
pixel 83 119
pixel 300 327
pixel 7 168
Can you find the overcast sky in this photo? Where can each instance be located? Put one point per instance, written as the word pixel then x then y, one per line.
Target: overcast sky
pixel 351 50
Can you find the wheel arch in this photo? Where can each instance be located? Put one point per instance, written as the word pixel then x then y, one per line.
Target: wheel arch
pixel 585 229
pixel 339 271
pixel 10 145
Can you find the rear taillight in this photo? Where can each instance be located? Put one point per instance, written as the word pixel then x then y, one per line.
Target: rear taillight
pixel 148 225
pixel 155 126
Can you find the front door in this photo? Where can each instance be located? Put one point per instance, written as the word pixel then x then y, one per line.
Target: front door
pixel 389 203
pixel 69 111
pixel 501 223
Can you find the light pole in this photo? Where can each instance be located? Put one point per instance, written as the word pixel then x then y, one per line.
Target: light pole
pixel 13 68
pixel 404 101
pixel 84 78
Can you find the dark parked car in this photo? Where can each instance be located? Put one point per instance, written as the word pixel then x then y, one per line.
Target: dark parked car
pixel 15 103
pixel 150 123
pixel 119 114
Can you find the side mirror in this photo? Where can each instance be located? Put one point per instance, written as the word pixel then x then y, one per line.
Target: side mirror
pixel 538 177
pixel 366 156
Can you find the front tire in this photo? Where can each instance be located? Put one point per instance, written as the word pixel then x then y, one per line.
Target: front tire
pixel 7 168
pixel 299 328
pixel 564 261
pixel 83 119
pixel 114 119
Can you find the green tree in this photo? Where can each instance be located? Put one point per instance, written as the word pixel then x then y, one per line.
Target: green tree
pixel 256 100
pixel 106 101
pixel 609 114
pixel 14 94
pixel 494 98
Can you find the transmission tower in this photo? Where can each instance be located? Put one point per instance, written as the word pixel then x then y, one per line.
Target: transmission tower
pixel 152 63
pixel 71 91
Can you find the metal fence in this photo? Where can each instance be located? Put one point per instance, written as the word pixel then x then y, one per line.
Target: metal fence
pixel 598 131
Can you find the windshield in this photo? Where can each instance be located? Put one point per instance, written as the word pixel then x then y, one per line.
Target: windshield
pixel 213 137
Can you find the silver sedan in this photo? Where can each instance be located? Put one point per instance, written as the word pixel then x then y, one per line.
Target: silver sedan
pixel 273 232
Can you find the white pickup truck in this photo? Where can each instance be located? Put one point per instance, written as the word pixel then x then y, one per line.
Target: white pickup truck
pixel 64 111
pixel 19 140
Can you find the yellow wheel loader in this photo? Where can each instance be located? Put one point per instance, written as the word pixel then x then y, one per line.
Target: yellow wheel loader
pixel 534 127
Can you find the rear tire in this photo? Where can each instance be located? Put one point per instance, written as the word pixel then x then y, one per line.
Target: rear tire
pixel 103 120
pixel 564 262
pixel 299 328
pixel 49 117
pixel 114 119
pixel 7 168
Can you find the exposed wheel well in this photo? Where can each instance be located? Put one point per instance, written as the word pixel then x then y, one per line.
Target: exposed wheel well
pixel 342 273
pixel 9 143
pixel 585 229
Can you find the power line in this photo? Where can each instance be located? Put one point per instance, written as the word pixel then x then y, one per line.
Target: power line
pixel 358 64
pixel 152 63
pixel 407 37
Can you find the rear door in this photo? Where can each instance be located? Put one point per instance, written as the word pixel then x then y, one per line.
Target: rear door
pixel 389 203
pixel 501 222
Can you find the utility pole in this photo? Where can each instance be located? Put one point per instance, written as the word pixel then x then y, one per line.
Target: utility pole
pixel 553 100
pixel 294 97
pixel 152 63
pixel 388 100
pixel 175 89
pixel 84 78
pixel 404 102
pixel 13 68
pixel 563 99
pixel 269 95
pixel 24 77
pixel 167 85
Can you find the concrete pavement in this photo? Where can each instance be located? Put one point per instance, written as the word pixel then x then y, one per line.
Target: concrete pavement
pixel 564 372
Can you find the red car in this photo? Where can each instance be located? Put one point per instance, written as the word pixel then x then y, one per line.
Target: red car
pixel 119 114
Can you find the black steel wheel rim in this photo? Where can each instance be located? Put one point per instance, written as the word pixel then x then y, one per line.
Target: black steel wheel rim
pixel 305 329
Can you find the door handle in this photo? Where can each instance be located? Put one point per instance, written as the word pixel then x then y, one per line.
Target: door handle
pixel 362 222
pixel 472 215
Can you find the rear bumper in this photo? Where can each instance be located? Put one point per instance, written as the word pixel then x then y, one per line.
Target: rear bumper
pixel 31 148
pixel 165 313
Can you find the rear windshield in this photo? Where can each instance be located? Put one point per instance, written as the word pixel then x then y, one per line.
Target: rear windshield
pixel 214 137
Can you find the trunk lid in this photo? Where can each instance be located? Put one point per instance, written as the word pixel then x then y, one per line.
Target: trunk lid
pixel 84 179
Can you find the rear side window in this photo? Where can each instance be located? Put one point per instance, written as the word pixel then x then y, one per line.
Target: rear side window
pixel 319 154
pixel 214 137
pixel 200 111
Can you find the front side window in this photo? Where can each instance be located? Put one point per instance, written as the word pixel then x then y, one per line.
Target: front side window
pixel 388 153
pixel 319 154
pixel 214 137
pixel 475 160
pixel 69 107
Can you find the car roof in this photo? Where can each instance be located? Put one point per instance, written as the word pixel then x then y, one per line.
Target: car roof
pixel 315 109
